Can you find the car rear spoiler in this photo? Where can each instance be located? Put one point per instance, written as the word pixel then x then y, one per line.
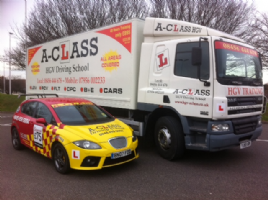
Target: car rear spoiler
pixel 41 95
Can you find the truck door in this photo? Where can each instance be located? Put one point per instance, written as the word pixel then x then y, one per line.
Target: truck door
pixel 173 76
pixel 192 86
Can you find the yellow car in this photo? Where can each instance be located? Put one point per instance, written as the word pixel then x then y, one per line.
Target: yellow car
pixel 74 133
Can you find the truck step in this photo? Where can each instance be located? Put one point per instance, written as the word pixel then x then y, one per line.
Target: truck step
pixel 198 129
pixel 197 146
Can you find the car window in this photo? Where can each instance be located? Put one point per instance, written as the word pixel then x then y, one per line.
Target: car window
pixel 42 111
pixel 29 108
pixel 82 114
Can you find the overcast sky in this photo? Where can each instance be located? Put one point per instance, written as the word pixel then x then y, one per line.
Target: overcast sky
pixel 13 12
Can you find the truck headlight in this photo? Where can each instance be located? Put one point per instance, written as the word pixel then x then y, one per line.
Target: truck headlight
pixel 220 127
pixel 85 144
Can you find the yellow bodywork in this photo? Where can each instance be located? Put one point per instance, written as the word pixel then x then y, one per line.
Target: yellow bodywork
pixel 97 133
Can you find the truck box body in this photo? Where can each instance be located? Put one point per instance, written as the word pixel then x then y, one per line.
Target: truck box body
pixel 101 65
pixel 186 85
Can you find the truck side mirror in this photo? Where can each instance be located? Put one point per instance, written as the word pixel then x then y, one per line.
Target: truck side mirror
pixel 196 56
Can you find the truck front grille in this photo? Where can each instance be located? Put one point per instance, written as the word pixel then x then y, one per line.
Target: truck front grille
pixel 238 105
pixel 244 125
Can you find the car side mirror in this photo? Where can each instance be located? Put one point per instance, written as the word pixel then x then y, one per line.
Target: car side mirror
pixel 41 121
pixel 196 56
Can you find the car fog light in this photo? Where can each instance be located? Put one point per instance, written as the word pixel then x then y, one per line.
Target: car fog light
pixel 220 127
pixel 259 122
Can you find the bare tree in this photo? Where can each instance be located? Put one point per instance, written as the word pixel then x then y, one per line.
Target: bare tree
pixel 53 19
pixel 225 15
pixel 236 17
pixel 257 35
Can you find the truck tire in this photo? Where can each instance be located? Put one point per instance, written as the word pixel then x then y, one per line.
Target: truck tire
pixel 169 138
pixel 61 159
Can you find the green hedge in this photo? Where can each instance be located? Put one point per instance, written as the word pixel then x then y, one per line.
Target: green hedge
pixel 10 103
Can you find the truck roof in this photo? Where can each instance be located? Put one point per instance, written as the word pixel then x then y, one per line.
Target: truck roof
pixel 160 29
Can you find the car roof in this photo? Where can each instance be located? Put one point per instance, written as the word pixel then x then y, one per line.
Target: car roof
pixel 59 100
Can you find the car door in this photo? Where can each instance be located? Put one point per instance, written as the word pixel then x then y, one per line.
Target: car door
pixel 39 128
pixel 26 121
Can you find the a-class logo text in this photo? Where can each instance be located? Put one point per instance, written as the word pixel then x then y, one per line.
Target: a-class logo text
pixel 177 28
pixel 111 90
pixel 192 92
pixel 70 89
pixel 66 50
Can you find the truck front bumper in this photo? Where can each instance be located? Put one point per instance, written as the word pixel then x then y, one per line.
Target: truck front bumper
pixel 218 142
pixel 210 139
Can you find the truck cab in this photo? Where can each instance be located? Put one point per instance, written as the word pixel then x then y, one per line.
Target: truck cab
pixel 201 86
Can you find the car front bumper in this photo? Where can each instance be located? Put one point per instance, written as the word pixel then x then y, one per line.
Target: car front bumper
pixel 86 159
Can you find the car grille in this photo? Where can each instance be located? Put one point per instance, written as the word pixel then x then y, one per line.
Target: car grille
pixel 118 143
pixel 239 105
pixel 244 125
pixel 110 161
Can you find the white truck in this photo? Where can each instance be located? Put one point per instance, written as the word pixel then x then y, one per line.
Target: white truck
pixel 185 85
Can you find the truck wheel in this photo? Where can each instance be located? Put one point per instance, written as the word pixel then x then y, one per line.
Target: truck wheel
pixel 61 159
pixel 169 138
pixel 16 139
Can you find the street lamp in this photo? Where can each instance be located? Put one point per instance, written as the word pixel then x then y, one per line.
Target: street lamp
pixel 10 62
pixel 3 59
pixel 4 82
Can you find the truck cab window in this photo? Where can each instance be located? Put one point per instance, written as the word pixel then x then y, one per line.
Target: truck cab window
pixel 183 65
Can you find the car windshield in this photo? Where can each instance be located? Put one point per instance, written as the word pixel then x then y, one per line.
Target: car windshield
pixel 81 114
pixel 237 64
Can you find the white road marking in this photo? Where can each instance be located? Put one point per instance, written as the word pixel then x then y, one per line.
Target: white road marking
pixel 5 116
pixel 5 124
pixel 258 140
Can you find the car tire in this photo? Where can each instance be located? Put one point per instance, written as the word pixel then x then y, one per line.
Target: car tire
pixel 15 138
pixel 169 138
pixel 60 159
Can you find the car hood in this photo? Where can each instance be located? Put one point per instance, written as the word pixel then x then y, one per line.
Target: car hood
pixel 101 132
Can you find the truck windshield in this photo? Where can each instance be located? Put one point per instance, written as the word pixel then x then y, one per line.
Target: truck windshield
pixel 237 65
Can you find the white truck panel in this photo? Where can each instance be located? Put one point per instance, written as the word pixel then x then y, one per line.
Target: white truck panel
pixel 100 65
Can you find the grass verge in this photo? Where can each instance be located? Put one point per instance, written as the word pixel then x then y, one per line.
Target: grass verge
pixel 10 103
pixel 265 115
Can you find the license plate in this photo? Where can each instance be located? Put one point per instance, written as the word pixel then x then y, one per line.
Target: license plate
pixel 121 154
pixel 245 144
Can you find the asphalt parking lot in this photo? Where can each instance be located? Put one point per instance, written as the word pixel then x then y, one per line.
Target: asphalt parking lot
pixel 230 174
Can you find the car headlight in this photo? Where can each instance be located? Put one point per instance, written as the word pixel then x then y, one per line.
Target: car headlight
pixel 85 144
pixel 220 127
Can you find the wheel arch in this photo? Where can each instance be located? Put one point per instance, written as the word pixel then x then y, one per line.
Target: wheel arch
pixel 53 146
pixel 161 112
